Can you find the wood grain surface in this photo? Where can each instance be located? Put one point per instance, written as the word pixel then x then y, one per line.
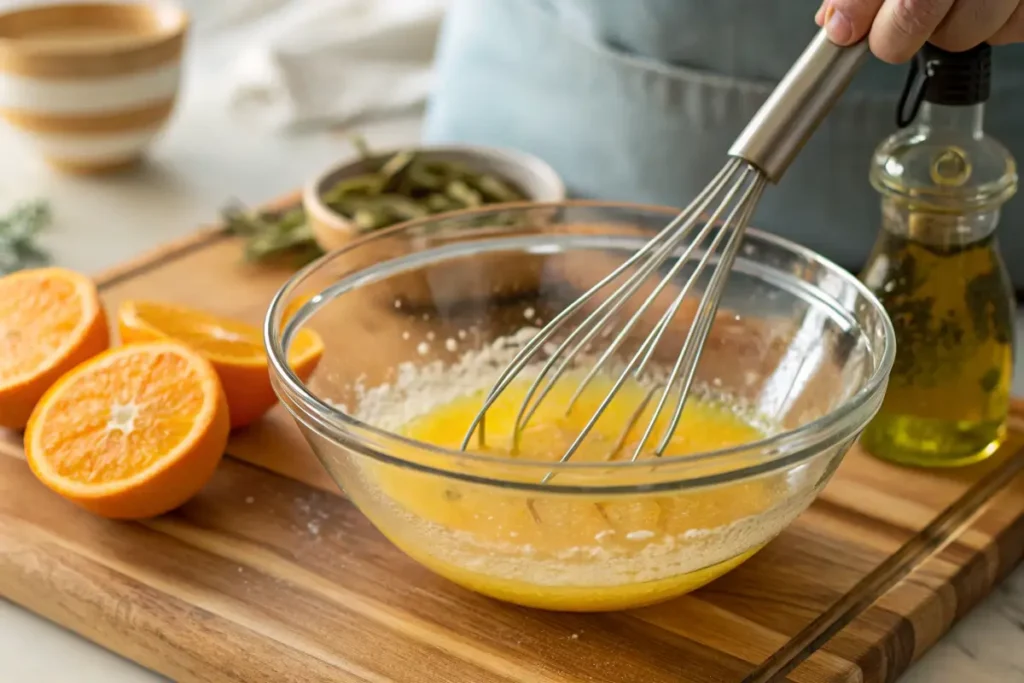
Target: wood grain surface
pixel 270 575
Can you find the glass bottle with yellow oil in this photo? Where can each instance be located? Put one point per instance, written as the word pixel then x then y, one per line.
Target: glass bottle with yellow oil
pixel 937 270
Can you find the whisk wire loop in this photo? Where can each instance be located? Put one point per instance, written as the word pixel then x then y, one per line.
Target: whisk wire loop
pixel 652 339
pixel 693 345
pixel 731 231
pixel 588 329
pixel 523 357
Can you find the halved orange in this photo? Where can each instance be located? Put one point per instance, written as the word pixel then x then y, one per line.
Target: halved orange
pixel 132 433
pixel 234 347
pixel 51 320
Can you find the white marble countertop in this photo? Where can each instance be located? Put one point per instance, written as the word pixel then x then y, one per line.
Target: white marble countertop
pixel 203 160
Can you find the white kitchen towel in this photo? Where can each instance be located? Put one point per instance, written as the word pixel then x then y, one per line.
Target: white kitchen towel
pixel 327 62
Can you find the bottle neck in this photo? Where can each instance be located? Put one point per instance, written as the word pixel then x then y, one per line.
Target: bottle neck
pixel 969 120
pixel 940 230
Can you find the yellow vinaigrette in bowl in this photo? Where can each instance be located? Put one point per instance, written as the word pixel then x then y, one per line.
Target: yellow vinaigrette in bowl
pixel 574 552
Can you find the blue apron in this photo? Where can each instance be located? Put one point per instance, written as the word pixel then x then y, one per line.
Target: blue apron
pixel 639 100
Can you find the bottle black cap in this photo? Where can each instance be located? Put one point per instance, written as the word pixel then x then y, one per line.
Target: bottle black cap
pixel 956 78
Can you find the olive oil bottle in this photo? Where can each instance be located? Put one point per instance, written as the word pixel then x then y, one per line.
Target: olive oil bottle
pixel 937 270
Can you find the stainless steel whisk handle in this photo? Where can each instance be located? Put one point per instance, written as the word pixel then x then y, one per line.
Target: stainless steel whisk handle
pixel 798 104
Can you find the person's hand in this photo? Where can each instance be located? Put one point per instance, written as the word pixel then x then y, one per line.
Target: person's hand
pixel 897 29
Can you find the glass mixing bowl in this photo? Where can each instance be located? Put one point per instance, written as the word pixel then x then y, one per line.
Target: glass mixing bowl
pixel 431 310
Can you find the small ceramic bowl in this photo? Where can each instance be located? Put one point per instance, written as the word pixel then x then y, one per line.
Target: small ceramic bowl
pixel 508 276
pixel 534 177
pixel 90 84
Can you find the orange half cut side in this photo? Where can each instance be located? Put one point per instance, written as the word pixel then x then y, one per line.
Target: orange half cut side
pixel 233 347
pixel 132 433
pixel 51 320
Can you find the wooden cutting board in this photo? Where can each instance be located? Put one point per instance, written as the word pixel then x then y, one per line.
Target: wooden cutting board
pixel 271 576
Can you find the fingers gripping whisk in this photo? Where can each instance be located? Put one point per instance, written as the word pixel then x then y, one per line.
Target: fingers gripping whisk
pixel 698 246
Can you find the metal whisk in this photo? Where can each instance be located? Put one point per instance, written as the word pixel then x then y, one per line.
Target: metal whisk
pixel 716 220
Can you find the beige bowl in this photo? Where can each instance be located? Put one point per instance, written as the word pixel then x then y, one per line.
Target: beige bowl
pixel 90 84
pixel 535 178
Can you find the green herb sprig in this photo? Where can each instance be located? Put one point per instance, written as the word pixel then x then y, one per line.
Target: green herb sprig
pixel 273 235
pixel 19 230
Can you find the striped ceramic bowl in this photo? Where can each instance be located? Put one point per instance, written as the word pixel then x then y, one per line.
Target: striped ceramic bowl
pixel 90 84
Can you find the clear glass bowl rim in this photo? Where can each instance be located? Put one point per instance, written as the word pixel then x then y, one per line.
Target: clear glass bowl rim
pixel 785 449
